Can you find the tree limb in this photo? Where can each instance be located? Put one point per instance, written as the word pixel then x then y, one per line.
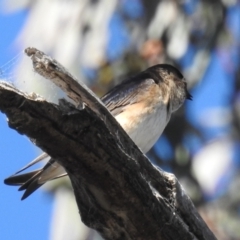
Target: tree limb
pixel 118 191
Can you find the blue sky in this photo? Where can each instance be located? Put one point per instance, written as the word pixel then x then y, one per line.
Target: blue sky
pixel 28 219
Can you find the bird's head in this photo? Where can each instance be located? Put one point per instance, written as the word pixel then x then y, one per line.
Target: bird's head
pixel 172 84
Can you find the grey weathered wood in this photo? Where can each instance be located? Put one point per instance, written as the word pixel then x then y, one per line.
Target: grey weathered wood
pixel 118 191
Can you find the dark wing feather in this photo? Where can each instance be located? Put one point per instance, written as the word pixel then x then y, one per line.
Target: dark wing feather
pixel 31 185
pixel 41 157
pixel 29 181
pixel 25 179
pixel 16 180
pixel 126 93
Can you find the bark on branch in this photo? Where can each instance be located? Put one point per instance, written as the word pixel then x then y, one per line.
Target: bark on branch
pixel 118 191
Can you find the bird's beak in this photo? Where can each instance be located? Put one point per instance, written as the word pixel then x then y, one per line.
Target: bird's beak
pixel 189 96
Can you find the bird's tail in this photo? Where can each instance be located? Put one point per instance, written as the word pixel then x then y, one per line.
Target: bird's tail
pixel 31 181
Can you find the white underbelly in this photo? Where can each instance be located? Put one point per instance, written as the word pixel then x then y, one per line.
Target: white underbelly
pixel 144 128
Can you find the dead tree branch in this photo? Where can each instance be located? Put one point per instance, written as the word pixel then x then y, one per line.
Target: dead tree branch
pixel 118 191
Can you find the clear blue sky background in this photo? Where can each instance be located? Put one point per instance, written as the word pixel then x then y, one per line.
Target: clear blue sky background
pixel 29 219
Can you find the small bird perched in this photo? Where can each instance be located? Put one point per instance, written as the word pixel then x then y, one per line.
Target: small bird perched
pixel 142 104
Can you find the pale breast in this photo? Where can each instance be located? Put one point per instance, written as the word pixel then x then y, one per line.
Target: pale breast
pixel 144 125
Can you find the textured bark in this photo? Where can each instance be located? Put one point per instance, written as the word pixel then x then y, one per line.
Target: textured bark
pixel 118 191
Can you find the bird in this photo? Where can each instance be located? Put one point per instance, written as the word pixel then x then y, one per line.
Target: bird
pixel 142 104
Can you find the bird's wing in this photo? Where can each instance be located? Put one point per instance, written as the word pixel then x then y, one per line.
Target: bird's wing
pixel 31 181
pixel 19 179
pixel 125 94
pixel 40 158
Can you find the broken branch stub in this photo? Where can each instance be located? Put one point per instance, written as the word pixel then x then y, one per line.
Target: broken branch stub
pixel 118 191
